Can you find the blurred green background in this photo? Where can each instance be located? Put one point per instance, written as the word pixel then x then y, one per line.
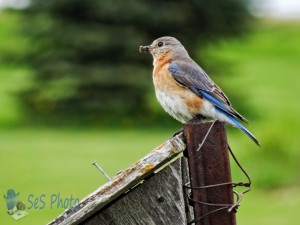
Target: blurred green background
pixel 74 89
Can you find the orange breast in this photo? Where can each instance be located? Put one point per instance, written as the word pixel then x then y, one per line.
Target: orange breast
pixel 164 82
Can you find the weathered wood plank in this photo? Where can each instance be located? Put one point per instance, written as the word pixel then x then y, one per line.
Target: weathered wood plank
pixel 159 200
pixel 122 182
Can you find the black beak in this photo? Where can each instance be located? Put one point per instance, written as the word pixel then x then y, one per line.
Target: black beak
pixel 144 49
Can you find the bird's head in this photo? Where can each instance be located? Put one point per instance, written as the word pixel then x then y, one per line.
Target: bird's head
pixel 164 45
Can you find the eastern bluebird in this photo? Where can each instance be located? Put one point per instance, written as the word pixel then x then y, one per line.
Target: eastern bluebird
pixel 183 88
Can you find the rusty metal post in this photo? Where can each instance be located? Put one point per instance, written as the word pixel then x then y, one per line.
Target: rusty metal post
pixel 208 166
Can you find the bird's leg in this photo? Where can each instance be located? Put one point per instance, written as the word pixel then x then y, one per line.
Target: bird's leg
pixel 206 135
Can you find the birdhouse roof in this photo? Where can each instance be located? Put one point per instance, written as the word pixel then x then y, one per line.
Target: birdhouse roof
pixel 123 182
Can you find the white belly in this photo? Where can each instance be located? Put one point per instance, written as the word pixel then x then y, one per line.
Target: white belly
pixel 176 106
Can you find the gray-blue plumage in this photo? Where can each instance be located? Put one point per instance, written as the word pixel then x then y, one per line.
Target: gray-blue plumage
pixel 193 77
pixel 193 93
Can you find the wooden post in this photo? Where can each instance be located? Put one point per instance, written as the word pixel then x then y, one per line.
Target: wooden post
pixel 208 166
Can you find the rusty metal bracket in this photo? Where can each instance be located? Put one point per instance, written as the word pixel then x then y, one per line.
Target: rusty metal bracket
pixel 228 207
pixel 211 185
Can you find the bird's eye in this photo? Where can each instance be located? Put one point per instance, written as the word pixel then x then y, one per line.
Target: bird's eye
pixel 159 44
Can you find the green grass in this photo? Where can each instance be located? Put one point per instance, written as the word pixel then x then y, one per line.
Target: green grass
pixel 51 161
pixel 263 75
pixel 275 207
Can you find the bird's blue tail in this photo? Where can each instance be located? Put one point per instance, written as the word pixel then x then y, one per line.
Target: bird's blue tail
pixel 230 113
pixel 242 128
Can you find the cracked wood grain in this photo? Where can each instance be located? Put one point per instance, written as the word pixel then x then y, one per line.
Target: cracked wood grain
pixel 122 182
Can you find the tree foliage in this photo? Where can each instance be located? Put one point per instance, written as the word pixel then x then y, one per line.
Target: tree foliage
pixel 85 53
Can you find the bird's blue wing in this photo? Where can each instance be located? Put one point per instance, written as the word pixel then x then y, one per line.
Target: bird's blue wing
pixel 194 78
